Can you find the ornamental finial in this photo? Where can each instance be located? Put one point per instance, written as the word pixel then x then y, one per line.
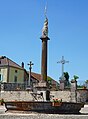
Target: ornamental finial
pixel 45 27
pixel 45 12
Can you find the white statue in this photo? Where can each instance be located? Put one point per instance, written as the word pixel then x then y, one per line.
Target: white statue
pixel 45 28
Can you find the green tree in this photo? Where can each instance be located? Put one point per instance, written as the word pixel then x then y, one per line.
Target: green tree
pixel 49 80
pixel 86 81
pixel 75 77
pixel 66 75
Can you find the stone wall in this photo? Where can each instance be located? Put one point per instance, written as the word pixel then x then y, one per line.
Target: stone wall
pixel 64 95
pixel 82 95
pixel 26 95
pixel 16 95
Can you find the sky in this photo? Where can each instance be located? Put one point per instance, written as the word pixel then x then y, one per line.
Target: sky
pixel 21 23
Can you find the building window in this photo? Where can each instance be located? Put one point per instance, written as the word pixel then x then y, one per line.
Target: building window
pixel 0 61
pixel 0 77
pixel 15 79
pixel 15 71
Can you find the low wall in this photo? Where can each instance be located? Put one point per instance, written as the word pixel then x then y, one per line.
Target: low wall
pixel 16 95
pixel 26 95
pixel 82 95
pixel 64 95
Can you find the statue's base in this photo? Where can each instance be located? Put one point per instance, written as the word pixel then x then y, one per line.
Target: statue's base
pixel 44 38
pixel 41 87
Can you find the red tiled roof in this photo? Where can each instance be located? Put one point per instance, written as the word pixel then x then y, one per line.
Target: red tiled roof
pixel 8 62
pixel 38 77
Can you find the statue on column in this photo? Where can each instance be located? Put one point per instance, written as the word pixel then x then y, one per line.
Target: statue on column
pixel 45 28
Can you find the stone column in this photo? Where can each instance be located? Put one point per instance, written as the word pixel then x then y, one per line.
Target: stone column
pixel 43 84
pixel 2 90
pixel 62 84
pixel 44 58
pixel 73 90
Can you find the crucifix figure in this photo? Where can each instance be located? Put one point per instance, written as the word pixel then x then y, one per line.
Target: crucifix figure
pixel 30 67
pixel 63 61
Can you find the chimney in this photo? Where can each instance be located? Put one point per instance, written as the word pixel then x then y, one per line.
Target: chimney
pixel 22 64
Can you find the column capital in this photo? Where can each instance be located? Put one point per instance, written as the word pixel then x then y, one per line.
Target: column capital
pixel 44 38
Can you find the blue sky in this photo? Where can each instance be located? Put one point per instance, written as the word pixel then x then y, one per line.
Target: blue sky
pixel 21 23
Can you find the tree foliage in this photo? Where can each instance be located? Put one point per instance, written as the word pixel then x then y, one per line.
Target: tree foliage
pixel 49 80
pixel 66 75
pixel 75 77
pixel 86 81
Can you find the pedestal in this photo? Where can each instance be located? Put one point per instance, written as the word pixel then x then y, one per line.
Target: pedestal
pixel 73 90
pixel 41 87
pixel 62 84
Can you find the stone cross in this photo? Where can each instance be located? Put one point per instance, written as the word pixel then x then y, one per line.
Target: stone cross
pixel 30 67
pixel 62 61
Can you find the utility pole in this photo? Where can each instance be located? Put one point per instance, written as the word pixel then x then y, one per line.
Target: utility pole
pixel 30 67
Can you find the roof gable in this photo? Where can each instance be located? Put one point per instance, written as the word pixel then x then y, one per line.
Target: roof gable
pixel 4 61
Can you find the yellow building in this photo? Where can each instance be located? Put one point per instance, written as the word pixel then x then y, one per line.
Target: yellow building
pixel 10 72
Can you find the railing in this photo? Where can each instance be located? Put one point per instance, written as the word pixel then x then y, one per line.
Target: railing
pixel 13 86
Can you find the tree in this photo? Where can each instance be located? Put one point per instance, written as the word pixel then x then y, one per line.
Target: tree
pixel 66 75
pixel 49 80
pixel 75 77
pixel 86 81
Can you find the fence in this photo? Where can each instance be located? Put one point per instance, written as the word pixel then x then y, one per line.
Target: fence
pixel 13 86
